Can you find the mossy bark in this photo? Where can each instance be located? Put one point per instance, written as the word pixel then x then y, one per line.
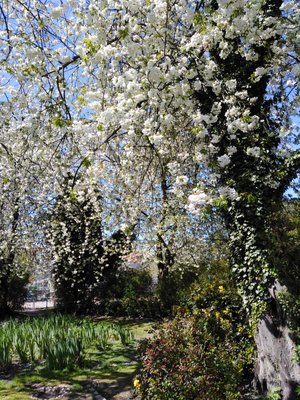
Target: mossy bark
pixel 275 365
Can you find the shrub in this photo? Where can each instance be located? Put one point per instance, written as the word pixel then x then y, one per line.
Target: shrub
pixel 202 354
pixel 128 283
pixel 130 293
pixel 83 257
pixel 17 290
pixel 13 281
pixel 174 286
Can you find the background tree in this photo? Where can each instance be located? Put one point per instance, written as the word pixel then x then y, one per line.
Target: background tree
pixel 20 171
pixel 83 258
pixel 77 240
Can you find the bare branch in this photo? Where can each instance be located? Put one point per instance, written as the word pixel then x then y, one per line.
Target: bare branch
pixel 7 31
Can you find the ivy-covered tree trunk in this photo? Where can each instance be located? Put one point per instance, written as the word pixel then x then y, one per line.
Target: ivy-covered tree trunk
pixel 249 220
pixel 251 249
pixel 259 174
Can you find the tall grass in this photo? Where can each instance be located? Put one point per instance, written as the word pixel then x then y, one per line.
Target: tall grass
pixel 60 341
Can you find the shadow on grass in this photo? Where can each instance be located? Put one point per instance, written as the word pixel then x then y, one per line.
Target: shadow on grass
pixel 110 372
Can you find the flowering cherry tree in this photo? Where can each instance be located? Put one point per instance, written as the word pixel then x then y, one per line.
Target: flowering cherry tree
pixel 219 79
pixel 211 78
pixel 192 100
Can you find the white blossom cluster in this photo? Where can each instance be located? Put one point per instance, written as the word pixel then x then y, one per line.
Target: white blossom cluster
pixel 142 97
pixel 151 59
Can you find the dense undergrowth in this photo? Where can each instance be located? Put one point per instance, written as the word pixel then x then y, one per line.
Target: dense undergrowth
pixel 205 352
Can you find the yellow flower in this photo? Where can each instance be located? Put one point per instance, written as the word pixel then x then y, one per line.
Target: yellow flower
pixel 137 384
pixel 221 289
pixel 205 311
pixel 225 323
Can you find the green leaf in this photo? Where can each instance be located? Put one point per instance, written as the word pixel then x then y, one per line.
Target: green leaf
pixel 246 118
pixel 59 122
pixel 81 100
pixel 72 196
pixel 200 21
pixel 86 163
pixel 90 46
pixel 221 202
pixel 123 33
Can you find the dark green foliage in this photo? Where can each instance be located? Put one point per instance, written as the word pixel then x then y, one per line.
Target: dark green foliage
pixel 202 354
pixel 286 245
pixel 14 268
pixel 175 287
pixel 130 293
pixel 12 292
pixel 286 255
pixel 290 304
pixel 172 287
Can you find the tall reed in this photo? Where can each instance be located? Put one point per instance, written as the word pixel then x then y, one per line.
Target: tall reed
pixel 61 341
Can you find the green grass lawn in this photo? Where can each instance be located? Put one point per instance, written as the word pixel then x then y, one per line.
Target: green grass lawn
pixel 110 372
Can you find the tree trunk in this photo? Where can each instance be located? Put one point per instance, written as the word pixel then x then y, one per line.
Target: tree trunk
pixel 275 368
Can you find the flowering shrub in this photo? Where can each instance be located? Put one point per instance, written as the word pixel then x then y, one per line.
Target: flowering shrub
pixel 202 354
pixel 83 258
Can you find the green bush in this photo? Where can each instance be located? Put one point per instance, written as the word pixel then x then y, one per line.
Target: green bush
pixel 175 286
pixel 290 304
pixel 202 354
pixel 130 293
pixel 12 289
pixel 17 290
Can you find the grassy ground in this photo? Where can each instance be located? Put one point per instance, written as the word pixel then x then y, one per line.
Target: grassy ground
pixel 109 373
